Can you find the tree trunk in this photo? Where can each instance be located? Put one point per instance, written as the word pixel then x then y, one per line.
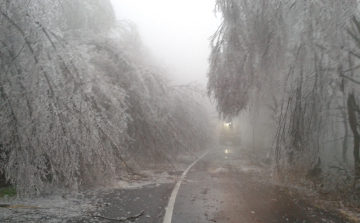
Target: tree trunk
pixel 344 142
pixel 352 108
pixel 346 133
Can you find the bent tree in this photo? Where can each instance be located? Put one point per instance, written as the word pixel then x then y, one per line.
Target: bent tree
pixel 295 51
pixel 79 104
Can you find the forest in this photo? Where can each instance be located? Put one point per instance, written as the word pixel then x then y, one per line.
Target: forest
pixel 82 101
pixel 294 66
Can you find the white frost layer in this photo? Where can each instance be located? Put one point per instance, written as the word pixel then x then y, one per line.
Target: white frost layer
pixel 49 209
pixel 59 207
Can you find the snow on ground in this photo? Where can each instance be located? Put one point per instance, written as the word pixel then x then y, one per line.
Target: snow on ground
pixel 47 209
pixel 62 206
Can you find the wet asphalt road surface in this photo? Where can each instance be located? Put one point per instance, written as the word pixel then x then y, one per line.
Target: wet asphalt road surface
pixel 151 199
pixel 223 187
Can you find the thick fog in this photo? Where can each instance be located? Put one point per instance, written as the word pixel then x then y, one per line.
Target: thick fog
pixel 175 32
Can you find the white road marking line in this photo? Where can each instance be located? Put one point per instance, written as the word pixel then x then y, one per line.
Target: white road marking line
pixel 170 207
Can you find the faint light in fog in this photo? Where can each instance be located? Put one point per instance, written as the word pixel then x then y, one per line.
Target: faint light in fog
pixel 226 151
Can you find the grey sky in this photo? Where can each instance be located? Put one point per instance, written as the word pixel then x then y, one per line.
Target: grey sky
pixel 176 32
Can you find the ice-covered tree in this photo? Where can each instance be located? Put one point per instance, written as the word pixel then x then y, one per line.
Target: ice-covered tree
pixel 53 127
pixel 77 102
pixel 293 50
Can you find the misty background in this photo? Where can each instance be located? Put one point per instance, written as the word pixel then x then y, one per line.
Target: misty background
pixel 176 33
pixel 89 92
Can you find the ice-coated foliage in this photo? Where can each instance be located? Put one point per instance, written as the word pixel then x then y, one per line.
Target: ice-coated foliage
pixel 53 127
pixel 246 48
pixel 77 102
pixel 296 51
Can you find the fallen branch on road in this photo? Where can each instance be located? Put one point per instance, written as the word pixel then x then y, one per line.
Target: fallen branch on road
pixel 122 219
pixel 18 206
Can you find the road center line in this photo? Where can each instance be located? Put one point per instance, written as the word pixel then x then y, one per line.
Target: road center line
pixel 170 207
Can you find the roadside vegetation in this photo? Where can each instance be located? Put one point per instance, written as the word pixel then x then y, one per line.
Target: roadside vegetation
pixel 7 192
pixel 81 100
pixel 293 69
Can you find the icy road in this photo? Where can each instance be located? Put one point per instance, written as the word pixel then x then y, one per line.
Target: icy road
pixel 223 186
